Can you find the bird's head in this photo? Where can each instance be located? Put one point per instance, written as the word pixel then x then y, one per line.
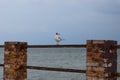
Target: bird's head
pixel 57 33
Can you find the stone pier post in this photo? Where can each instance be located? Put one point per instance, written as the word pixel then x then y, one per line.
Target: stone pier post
pixel 15 60
pixel 101 60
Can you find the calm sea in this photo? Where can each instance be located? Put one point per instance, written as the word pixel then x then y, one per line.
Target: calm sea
pixel 74 58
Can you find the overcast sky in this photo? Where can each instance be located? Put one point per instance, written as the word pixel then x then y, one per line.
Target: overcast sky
pixel 37 21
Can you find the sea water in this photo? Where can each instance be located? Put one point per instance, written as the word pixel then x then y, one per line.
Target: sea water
pixel 72 58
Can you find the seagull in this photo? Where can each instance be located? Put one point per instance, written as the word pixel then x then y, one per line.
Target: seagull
pixel 58 38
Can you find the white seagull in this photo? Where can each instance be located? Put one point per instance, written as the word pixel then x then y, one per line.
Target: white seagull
pixel 58 38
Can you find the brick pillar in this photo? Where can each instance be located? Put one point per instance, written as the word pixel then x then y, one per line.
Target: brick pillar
pixel 15 60
pixel 101 60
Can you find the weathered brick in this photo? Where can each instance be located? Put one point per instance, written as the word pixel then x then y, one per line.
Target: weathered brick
pixel 101 60
pixel 15 60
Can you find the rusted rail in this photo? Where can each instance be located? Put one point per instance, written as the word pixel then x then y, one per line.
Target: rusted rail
pixel 1 46
pixel 58 46
pixel 57 69
pixel 2 65
pixel 54 46
pixel 53 69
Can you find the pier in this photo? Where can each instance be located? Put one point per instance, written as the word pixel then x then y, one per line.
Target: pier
pixel 99 63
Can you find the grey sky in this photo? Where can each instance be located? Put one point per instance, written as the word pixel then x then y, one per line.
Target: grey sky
pixel 36 21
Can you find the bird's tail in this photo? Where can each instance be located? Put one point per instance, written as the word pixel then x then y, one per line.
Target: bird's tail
pixel 62 39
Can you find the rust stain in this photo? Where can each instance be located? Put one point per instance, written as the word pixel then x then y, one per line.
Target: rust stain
pixel 101 60
pixel 15 60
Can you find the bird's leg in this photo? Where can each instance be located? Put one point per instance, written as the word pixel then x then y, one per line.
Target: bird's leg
pixel 57 43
